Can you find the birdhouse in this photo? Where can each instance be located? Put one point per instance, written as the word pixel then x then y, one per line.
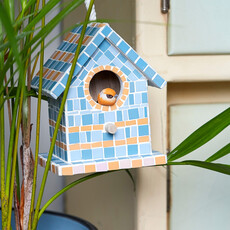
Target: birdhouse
pixel 105 124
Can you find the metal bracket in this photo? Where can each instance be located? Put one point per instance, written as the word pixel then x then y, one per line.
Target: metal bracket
pixel 165 6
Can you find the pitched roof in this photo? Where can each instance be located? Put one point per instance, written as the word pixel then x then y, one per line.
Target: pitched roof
pixel 58 65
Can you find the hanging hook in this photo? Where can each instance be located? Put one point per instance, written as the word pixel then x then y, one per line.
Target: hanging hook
pixel 164 6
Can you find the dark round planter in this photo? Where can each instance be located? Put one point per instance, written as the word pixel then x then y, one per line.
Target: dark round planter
pixel 58 221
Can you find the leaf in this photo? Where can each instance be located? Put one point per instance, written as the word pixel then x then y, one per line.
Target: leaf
pixel 221 168
pixel 221 153
pixel 201 136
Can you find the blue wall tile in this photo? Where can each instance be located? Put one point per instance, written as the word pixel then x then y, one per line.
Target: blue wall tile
pixel 132 55
pixel 133 131
pixel 101 118
pixel 141 64
pixel 120 134
pixel 158 80
pixel 76 155
pixel 82 137
pixel 119 116
pixel 145 148
pixel 88 135
pixel 97 136
pixel 127 131
pixel 122 58
pixel 107 137
pixel 131 86
pixel 125 70
pixel 87 154
pixel 87 119
pixel 70 119
pixel 133 114
pixel 82 59
pixel 77 120
pixel 90 49
pixel 109 55
pixel 110 117
pixel 70 105
pixel 138 98
pixel 106 30
pixel 74 138
pixel 83 104
pixel 114 38
pixel 80 92
pixel 97 153
pixel 109 152
pixel 144 98
pixel 149 72
pixel 132 150
pixel 143 130
pixel 121 151
pixel 123 46
pixel 104 46
pixel 141 86
pixel 131 99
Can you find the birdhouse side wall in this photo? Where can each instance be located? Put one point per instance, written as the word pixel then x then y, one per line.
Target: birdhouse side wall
pixel 60 149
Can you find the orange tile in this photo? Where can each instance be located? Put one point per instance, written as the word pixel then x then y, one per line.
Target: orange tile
pixel 40 161
pixel 64 147
pixel 68 36
pixel 107 143
pixel 144 139
pixel 63 54
pixel 85 146
pixel 92 103
pixel 72 39
pixel 101 68
pixel 98 106
pixel 50 122
pixel 45 71
pixel 96 70
pixel 115 70
pixel 142 121
pixel 86 92
pixel 74 129
pixel 86 128
pixel 160 160
pixel 136 163
pixel 55 54
pixel 53 168
pixel 85 39
pixel 123 97
pixel 98 127
pixel 123 78
pixel 125 92
pixel 113 107
pixel 56 76
pixel 132 140
pixel 91 73
pixel 67 57
pixel 96 144
pixel 89 97
pixel 74 147
pixel 119 103
pixel 90 168
pixel 86 85
pixel 120 142
pixel 67 171
pixel 105 108
pixel 108 67
pixel 120 123
pixel 113 165
pixel 120 73
pixel 101 25
pixel 88 79
pixel 50 74
pixel 77 40
pixel 133 122
pixel 126 84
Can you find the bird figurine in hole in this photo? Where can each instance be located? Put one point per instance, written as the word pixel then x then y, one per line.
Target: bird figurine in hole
pixel 107 97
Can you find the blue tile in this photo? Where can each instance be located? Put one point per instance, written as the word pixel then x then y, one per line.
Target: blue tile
pixel 146 112
pixel 133 114
pixel 125 115
pixel 114 38
pixel 138 99
pixel 97 153
pixel 109 152
pixel 93 31
pixel 125 70
pixel 131 86
pixel 97 136
pixel 131 99
pixel 133 131
pixel 143 130
pixel 107 137
pixel 58 90
pixel 149 72
pixel 104 46
pixel 103 60
pixel 80 92
pixel 77 119
pixel 132 55
pixel 145 148
pixel 141 64
pixel 122 58
pixel 87 119
pixel 158 80
pixel 123 46
pixel 73 48
pixel 117 63
pixel 74 138
pixel 98 39
pixel 65 67
pixel 82 59
pixel 127 131
pixel 114 50
pixel 110 117
pixel 120 134
pixel 83 74
pixel 87 154
pixel 72 93
pixel 75 155
pixel 48 62
pixel 101 118
pixel 59 65
pixel 88 136
pixel 64 79
pixel 82 137
pixel 121 151
pixel 119 116
pixel 97 56
pixel 141 86
pixel 109 55
pixel 70 105
pixel 144 98
pixel 137 73
pixel 95 118
pixel 83 104
pixel 106 31
pixel 132 150
pixel 141 112
pixel 90 49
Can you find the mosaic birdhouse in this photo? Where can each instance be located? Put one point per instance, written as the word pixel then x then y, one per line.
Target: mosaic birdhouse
pixel 105 123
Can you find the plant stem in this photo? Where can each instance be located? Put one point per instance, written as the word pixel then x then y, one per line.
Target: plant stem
pixel 35 221
pixel 14 161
